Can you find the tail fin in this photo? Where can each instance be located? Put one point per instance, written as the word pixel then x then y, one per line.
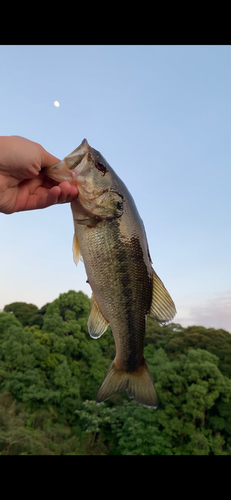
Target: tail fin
pixel 139 385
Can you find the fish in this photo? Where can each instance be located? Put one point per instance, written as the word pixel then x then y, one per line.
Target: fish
pixel 110 238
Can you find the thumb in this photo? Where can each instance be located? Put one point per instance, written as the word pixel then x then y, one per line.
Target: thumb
pixel 47 159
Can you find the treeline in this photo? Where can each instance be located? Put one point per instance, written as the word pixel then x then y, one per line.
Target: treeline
pixel 50 371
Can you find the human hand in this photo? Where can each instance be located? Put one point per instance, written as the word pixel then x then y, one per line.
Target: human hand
pixel 22 184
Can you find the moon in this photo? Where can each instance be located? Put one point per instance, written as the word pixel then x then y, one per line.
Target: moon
pixel 56 104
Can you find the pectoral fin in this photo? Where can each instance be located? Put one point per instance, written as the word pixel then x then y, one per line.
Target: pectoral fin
pixel 162 306
pixel 76 250
pixel 97 324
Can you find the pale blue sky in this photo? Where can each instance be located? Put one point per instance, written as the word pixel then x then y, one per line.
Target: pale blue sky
pixel 161 116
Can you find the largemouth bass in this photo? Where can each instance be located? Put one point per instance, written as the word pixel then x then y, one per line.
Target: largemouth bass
pixel 110 237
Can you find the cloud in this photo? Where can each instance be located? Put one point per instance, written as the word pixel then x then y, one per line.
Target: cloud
pixel 215 313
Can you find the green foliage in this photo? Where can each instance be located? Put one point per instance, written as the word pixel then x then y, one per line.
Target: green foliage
pixel 37 317
pixel 177 340
pixel 19 349
pixel 22 311
pixel 50 371
pixel 187 389
pixel 70 306
pixel 34 434
pixel 7 320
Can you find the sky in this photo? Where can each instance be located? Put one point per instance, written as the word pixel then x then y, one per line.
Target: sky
pixel 161 116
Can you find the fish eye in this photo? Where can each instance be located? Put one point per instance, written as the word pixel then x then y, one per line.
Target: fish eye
pixel 101 167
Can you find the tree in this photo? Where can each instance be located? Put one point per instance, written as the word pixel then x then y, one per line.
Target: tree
pixel 12 425
pixel 19 350
pixel 21 310
pixel 51 369
pixel 218 342
pixel 22 433
pixel 37 317
pixel 6 320
pixel 70 305
pixel 187 389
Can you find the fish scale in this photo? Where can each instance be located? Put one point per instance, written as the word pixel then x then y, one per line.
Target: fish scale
pixel 128 291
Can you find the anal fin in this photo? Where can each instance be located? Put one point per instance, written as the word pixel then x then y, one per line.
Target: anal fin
pixel 97 324
pixel 162 307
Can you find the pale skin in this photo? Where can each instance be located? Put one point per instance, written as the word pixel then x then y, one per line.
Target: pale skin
pixel 23 186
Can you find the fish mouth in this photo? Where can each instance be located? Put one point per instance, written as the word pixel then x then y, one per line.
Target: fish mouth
pixel 59 172
pixel 65 170
pixel 75 158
